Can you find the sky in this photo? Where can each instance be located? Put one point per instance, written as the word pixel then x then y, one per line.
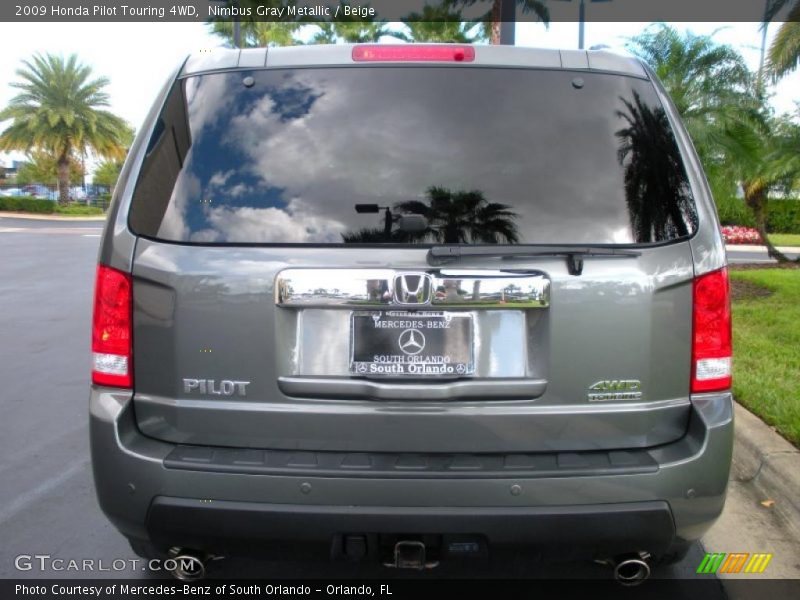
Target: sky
pixel 138 57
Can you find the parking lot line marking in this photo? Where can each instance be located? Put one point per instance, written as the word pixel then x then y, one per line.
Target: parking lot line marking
pixel 26 498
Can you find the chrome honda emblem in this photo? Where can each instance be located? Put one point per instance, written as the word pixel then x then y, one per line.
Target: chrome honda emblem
pixel 412 288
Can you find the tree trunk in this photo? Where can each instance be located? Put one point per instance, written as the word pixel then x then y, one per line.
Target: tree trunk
pixel 497 8
pixel 755 196
pixel 63 179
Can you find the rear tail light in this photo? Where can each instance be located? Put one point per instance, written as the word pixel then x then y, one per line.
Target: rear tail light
pixel 413 53
pixel 711 345
pixel 111 329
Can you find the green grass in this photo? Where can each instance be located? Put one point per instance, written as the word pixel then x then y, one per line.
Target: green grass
pixel 766 336
pixel 785 239
pixel 78 209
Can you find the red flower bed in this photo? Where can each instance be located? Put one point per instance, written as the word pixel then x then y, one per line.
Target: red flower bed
pixel 733 234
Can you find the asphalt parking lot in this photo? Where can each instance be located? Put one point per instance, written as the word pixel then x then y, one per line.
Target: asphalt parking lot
pixel 47 503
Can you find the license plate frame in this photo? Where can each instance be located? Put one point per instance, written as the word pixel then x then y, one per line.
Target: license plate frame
pixel 447 341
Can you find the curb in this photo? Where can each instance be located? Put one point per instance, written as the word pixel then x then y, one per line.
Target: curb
pixel 757 248
pixel 40 217
pixel 767 462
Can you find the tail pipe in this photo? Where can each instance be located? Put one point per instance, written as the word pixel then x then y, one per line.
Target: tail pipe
pixel 632 569
pixel 188 565
pixel 629 569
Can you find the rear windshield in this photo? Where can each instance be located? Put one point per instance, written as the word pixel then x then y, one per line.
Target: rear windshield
pixel 345 155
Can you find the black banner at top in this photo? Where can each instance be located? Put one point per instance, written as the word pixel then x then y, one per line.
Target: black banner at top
pixel 389 10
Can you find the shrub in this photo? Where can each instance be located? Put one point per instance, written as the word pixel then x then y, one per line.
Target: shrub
pixel 27 204
pixel 103 200
pixel 783 215
pixel 37 205
pixel 733 211
pixel 78 209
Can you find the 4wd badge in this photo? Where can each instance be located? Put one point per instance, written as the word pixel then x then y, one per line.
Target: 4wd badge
pixel 611 390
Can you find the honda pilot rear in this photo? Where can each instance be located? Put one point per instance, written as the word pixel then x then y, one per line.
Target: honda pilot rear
pixel 407 304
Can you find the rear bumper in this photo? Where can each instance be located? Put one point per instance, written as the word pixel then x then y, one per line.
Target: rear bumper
pixel 602 530
pixel 672 499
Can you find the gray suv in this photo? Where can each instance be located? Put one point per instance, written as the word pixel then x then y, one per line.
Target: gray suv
pixel 410 304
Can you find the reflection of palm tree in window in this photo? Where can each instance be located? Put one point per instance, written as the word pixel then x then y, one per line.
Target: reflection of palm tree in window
pixel 656 189
pixel 375 235
pixel 453 218
pixel 462 218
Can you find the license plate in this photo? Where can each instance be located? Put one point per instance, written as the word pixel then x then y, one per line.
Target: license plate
pixel 416 344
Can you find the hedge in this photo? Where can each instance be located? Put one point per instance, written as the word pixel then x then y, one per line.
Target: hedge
pixel 27 204
pixel 783 215
pixel 79 210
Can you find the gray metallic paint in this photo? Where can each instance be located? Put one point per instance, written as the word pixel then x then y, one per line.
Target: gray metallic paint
pixel 122 457
pixel 639 327
pixel 643 306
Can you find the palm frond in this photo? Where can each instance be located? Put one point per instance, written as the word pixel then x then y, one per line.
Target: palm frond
pixel 784 52
pixel 773 7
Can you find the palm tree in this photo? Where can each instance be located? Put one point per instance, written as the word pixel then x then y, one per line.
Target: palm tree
pixel 784 52
pixel 493 16
pixel 258 34
pixel 41 166
pixel 709 83
pixel 452 217
pixel 766 157
pixel 352 29
pixel 350 33
pixel 737 140
pixel 60 110
pixel 254 33
pixel 463 217
pixel 442 23
pixel 656 191
pixel 376 235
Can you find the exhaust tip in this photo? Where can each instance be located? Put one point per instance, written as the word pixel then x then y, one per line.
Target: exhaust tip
pixel 188 566
pixel 631 571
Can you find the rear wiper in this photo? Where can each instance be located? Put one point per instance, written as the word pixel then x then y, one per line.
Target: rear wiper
pixel 438 255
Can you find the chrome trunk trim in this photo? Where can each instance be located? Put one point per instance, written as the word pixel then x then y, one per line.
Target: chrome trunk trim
pixel 448 289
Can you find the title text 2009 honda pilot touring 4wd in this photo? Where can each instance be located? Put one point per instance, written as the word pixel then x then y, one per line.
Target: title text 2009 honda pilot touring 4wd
pixel 411 303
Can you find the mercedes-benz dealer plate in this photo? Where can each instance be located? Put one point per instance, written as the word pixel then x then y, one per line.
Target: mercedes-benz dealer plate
pixel 419 344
